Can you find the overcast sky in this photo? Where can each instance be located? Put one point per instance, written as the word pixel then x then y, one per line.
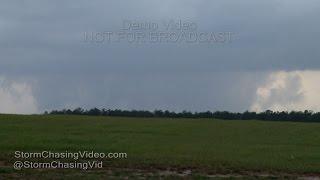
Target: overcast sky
pixel 272 61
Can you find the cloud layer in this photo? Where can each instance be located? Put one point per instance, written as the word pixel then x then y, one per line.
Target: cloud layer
pixel 42 40
pixel 16 97
pixel 287 91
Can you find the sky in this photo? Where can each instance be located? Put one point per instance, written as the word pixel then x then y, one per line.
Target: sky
pixel 271 61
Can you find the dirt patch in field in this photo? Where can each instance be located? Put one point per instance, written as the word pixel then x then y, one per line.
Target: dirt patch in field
pixel 189 173
pixel 146 173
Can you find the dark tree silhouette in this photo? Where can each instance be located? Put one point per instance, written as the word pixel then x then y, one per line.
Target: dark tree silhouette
pixel 298 116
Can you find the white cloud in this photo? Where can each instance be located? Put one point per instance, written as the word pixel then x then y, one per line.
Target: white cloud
pixel 16 97
pixel 286 91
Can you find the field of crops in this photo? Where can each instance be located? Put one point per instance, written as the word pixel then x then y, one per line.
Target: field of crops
pixel 164 147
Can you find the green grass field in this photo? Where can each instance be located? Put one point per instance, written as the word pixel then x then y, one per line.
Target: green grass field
pixel 203 146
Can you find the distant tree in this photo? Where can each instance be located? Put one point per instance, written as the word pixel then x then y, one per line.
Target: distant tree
pixel 303 116
pixel 94 112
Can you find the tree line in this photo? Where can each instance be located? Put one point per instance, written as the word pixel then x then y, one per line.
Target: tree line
pixel 298 116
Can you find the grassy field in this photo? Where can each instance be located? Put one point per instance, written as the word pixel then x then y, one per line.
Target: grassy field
pixel 154 146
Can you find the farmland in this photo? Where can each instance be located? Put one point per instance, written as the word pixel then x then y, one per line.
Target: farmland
pixel 166 147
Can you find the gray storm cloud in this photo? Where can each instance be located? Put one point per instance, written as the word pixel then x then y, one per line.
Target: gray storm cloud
pixel 42 40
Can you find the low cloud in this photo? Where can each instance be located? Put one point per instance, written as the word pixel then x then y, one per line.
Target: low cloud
pixel 16 97
pixel 286 91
